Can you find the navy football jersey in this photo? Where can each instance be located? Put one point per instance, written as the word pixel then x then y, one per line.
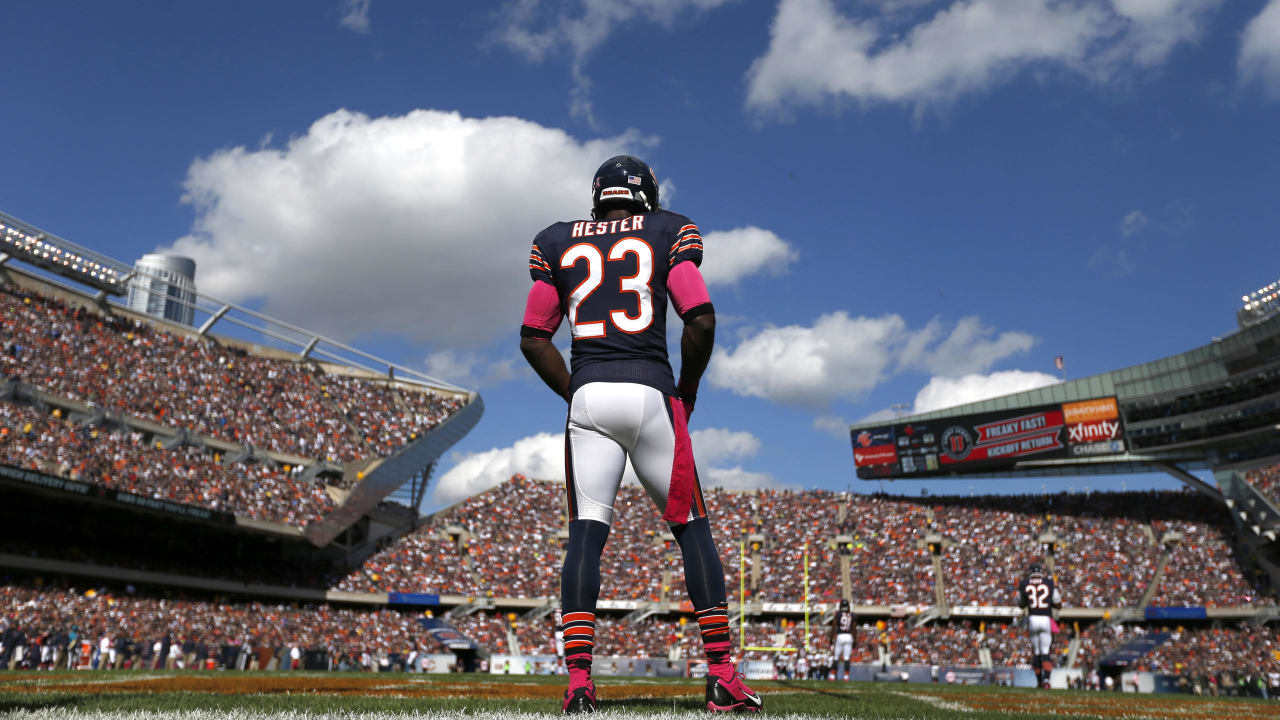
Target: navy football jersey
pixel 844 622
pixel 611 276
pixel 1038 595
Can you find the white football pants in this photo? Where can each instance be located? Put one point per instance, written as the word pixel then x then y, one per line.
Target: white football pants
pixel 844 647
pixel 609 422
pixel 1040 629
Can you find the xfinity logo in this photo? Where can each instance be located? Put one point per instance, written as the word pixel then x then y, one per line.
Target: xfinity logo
pixel 1093 431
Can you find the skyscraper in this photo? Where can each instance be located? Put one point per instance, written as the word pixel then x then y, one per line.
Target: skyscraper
pixel 164 286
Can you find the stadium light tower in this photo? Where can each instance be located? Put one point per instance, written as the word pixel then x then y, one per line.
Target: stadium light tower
pixel 30 244
pixel 1259 305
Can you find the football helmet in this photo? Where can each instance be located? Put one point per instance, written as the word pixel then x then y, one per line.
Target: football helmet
pixel 844 604
pixel 624 181
pixel 1036 570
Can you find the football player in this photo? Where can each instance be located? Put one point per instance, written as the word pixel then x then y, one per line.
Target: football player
pixel 611 277
pixel 558 634
pixel 1037 594
pixel 842 639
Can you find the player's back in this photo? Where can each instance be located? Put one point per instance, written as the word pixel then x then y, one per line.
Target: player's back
pixel 611 277
pixel 1037 593
pixel 844 622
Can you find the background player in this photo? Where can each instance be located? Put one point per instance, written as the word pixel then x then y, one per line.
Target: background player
pixel 842 640
pixel 558 634
pixel 1038 595
pixel 611 277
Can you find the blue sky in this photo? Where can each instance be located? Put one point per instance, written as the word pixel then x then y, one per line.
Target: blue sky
pixel 904 201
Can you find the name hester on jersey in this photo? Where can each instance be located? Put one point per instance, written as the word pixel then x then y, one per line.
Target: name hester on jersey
pixel 587 228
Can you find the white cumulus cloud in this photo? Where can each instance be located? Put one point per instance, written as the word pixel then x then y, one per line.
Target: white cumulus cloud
pixel 714 445
pixel 843 357
pixel 542 456
pixel 735 478
pixel 1260 50
pixel 730 255
pixel 539 456
pixel 414 225
pixel 945 392
pixel 945 49
pixel 969 347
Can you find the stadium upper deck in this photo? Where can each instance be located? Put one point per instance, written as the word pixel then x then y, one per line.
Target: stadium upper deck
pixel 1211 406
pixel 292 405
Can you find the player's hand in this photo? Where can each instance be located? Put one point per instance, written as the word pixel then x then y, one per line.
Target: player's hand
pixel 687 404
pixel 687 398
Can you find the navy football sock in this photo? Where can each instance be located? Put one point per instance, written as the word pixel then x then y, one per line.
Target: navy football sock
pixel 580 580
pixel 703 573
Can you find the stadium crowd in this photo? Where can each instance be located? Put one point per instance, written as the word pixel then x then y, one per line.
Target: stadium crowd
pixel 1216 651
pixel 65 626
pixel 123 460
pixel 1266 480
pixel 57 625
pixel 131 367
pixel 1108 547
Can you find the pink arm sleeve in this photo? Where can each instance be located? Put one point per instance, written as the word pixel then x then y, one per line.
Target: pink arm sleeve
pixel 687 288
pixel 542 309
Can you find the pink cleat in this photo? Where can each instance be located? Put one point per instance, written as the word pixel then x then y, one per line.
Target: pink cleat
pixel 581 696
pixel 727 693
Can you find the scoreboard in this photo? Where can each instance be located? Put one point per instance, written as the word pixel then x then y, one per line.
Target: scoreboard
pixel 989 441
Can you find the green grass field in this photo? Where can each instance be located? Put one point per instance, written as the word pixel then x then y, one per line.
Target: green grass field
pixel 224 696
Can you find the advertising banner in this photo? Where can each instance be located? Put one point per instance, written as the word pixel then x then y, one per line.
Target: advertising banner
pixel 989 441
pixel 874 447
pixel 111 495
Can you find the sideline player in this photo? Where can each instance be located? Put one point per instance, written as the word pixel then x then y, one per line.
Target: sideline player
pixel 842 640
pixel 1038 595
pixel 611 276
pixel 558 635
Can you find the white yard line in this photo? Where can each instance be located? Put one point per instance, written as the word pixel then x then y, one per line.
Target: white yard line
pixel 932 700
pixel 65 714
pixel 64 680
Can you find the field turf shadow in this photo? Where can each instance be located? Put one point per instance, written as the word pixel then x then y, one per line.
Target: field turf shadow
pixel 816 691
pixel 8 705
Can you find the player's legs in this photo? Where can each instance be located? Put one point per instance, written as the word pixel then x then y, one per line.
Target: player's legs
pixel 600 414
pixel 662 456
pixel 844 654
pixel 1041 639
pixel 656 457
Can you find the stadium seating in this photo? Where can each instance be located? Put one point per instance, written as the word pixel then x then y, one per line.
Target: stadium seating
pixel 130 367
pixel 123 461
pixel 1190 651
pixel 1107 556
pixel 45 614
pixel 1210 651
pixel 40 614
pixel 1267 481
